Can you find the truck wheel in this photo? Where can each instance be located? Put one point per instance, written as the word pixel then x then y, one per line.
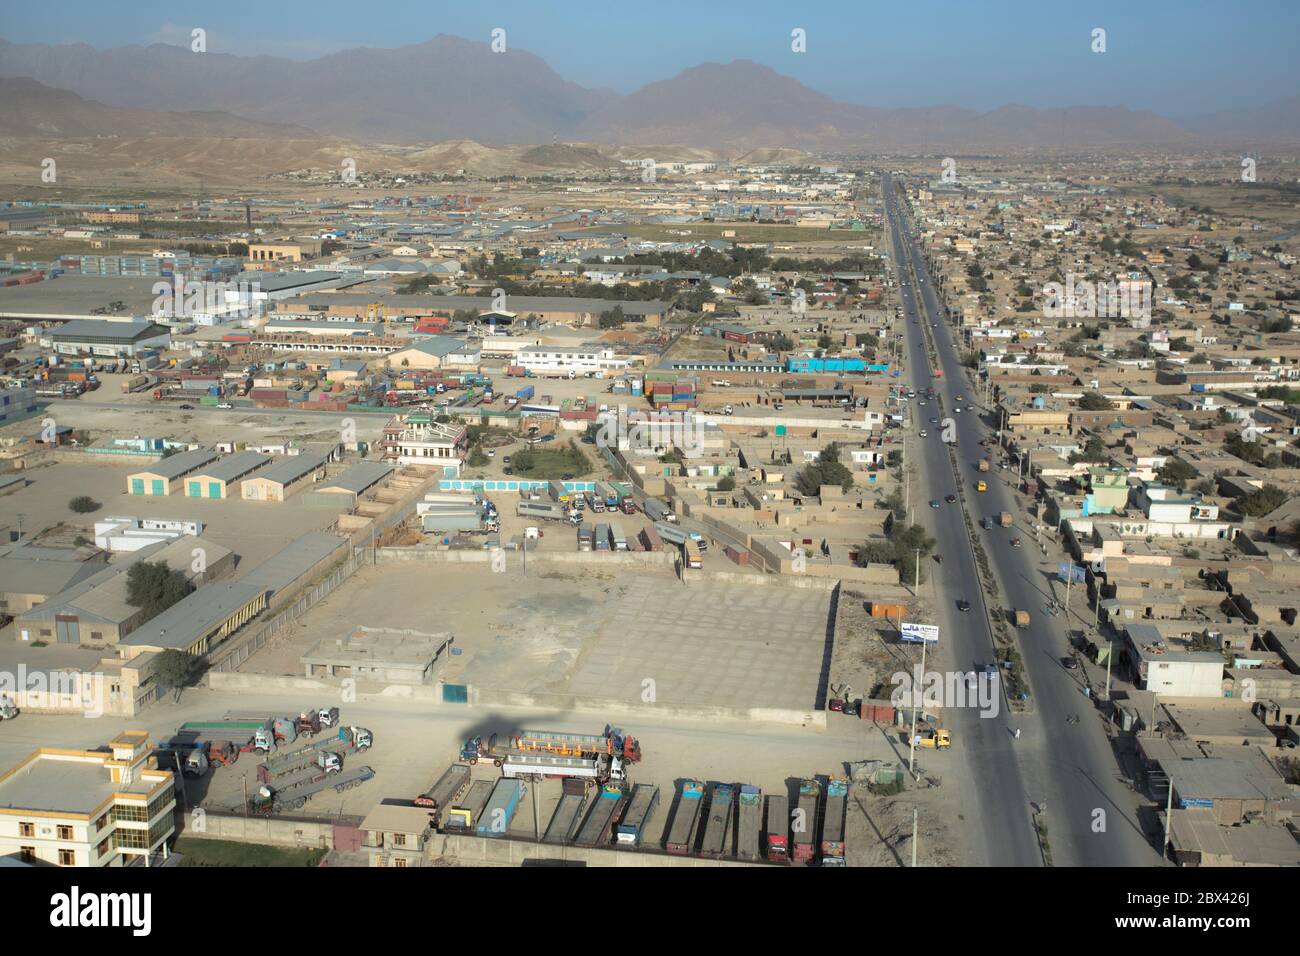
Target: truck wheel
pixel 496 763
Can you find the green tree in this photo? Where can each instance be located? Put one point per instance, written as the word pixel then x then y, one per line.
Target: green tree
pixel 84 504
pixel 154 587
pixel 1176 472
pixel 1095 402
pixel 726 483
pixel 1261 502
pixel 174 669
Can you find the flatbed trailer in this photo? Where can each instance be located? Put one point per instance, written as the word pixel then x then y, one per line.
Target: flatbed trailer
pixel 538 766
pixel 599 825
pixel 613 742
pixel 681 836
pixel 749 823
pixel 564 821
pixel 464 814
pixel 269 800
pixel 805 820
pixel 282 763
pixel 832 847
pixel 717 825
pixel 444 792
pixel 640 809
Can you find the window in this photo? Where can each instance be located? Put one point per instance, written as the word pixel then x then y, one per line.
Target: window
pixel 27 854
pixel 400 862
pixel 27 829
pixel 67 858
pixel 65 833
pixel 399 839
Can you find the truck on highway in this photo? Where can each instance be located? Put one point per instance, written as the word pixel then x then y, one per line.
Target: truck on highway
pixel 465 813
pixel 837 794
pixel 681 836
pixel 613 742
pixel 805 819
pixel 1004 519
pixel 533 766
pixel 599 825
pixel 270 800
pixel 1022 618
pixel 717 825
pixel 644 802
pixel 444 792
pixel 500 810
pixel 658 511
pixel 983 464
pixel 565 818
pixel 749 823
pixel 776 831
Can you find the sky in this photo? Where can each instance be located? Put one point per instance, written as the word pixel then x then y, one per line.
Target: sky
pixel 1176 57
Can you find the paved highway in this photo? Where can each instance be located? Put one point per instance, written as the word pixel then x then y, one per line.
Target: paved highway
pixel 1069 767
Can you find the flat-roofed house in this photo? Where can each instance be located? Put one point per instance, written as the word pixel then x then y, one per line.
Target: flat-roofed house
pixel 111 807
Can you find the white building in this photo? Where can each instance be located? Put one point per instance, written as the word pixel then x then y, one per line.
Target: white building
pixel 94 808
pixel 562 360
pixel 418 439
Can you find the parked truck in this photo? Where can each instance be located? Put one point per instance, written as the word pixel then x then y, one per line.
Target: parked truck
pixel 464 815
pixel 137 383
pixel 749 823
pixel 500 810
pixel 284 728
pixel 535 766
pixel 614 742
pixel 547 510
pixel 837 794
pixel 565 818
pixel 679 536
pixel 681 836
pixel 525 393
pixel 243 736
pixel 658 511
pixel 269 800
pixel 640 809
pixel 617 539
pixel 325 761
pixel 805 820
pixel 598 827
pixel 776 844
pixel 717 825
pixel 444 792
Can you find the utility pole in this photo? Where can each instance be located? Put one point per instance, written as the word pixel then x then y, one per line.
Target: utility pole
pixel 917 586
pixel 914 815
pixel 916 708
pixel 1169 810
pixel 1069 580
pixel 1110 653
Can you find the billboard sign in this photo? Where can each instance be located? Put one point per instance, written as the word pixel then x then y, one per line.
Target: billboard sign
pixel 920 633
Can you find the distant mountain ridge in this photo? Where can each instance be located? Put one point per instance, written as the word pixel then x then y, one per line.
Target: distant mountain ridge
pixel 449 88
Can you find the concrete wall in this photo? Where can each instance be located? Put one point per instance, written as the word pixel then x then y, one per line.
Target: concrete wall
pixel 664 559
pixel 475 851
pixel 270 831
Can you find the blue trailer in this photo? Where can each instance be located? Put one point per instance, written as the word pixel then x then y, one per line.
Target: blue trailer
pixel 631 831
pixel 495 819
pixel 525 393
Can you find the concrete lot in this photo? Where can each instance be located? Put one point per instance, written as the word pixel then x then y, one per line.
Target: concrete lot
pixel 590 632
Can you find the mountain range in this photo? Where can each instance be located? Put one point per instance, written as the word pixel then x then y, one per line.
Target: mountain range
pixel 450 88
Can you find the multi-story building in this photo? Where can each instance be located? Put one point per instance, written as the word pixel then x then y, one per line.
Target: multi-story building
pixel 89 808
pixel 417 439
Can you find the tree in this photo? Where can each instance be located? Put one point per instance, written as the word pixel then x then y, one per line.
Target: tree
pixel 174 669
pixel 154 587
pixel 1095 402
pixel 1261 502
pixel 84 504
pixel 726 483
pixel 476 457
pixel 826 470
pixel 613 318
pixel 1176 472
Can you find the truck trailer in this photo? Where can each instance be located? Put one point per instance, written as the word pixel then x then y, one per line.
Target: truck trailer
pixel 640 809
pixel 559 832
pixel 500 810
pixel 599 825
pixel 464 814
pixel 805 820
pixel 613 743
pixel 444 792
pixel 776 832
pixel 681 836
pixel 270 800
pixel 749 823
pixel 546 510
pixel 837 794
pixel 717 826
pixel 538 766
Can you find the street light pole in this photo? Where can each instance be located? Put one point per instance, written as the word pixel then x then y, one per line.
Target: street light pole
pixel 916 707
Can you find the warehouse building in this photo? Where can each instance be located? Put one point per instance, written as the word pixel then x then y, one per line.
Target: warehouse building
pixel 217 480
pixel 96 610
pixel 30 575
pixel 201 621
pixel 107 807
pixel 166 475
pixel 344 490
pixel 106 338
pixel 288 475
pixel 439 351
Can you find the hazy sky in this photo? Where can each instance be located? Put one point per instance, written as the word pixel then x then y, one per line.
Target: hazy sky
pixel 1172 56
